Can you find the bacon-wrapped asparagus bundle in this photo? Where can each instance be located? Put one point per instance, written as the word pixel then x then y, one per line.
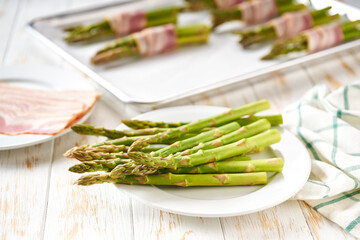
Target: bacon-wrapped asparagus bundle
pixel 122 23
pixel 287 25
pixel 152 41
pixel 316 39
pixel 196 5
pixel 253 12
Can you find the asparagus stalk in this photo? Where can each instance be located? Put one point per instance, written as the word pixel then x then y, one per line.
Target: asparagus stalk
pixel 126 47
pixel 182 180
pixel 244 132
pixel 275 120
pixel 113 134
pixel 194 126
pixel 267 31
pixel 97 165
pixel 221 16
pixel 108 165
pixel 202 137
pixel 201 157
pixel 299 43
pixel 261 165
pixel 102 29
pixel 89 153
pixel 141 124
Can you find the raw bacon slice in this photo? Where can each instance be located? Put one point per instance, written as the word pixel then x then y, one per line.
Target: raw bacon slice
pixel 290 24
pixel 257 11
pixel 156 40
pixel 127 22
pixel 33 111
pixel 323 37
pixel 226 4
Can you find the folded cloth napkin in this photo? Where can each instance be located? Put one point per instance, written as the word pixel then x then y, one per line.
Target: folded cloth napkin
pixel 328 123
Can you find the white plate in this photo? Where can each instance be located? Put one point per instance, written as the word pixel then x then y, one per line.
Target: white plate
pixel 44 78
pixel 230 200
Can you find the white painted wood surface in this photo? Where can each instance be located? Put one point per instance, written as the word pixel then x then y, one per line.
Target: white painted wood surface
pixel 39 201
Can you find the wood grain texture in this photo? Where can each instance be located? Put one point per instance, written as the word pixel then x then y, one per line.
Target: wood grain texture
pixel 336 71
pixel 93 212
pixel 8 13
pixel 23 189
pixel 22 48
pixel 284 221
pixel 321 227
pixel 151 223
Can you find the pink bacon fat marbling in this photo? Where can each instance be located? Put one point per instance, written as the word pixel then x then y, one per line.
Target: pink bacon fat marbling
pixel 127 22
pixel 155 40
pixel 292 23
pixel 226 4
pixel 323 37
pixel 34 111
pixel 257 11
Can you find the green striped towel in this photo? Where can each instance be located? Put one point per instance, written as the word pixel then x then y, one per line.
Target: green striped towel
pixel 328 122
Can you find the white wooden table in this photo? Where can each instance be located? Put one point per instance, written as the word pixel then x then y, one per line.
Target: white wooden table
pixel 39 201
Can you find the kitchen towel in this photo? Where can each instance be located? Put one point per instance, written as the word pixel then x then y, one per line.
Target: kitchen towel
pixel 328 123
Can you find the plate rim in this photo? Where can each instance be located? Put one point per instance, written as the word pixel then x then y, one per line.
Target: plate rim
pixel 128 189
pixel 26 72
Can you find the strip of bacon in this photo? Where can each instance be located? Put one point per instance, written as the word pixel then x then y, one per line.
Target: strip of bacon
pixel 290 24
pixel 152 41
pixel 127 22
pixel 226 4
pixel 323 37
pixel 257 11
pixel 33 111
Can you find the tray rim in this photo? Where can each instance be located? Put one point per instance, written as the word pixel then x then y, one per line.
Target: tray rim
pixel 118 94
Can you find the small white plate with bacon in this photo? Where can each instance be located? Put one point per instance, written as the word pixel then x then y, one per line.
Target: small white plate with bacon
pixel 39 103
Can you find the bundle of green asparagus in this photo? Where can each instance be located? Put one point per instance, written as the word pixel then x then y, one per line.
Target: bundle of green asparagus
pixel 206 152
pixel 254 12
pixel 122 24
pixel 316 39
pixel 152 41
pixel 287 25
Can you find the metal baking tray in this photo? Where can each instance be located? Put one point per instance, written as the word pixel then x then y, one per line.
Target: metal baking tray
pixel 172 76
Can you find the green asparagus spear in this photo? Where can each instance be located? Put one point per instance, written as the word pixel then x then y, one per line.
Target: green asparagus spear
pixel 275 120
pixel 202 137
pixel 182 180
pixel 194 126
pixel 261 165
pixel 113 134
pixel 299 43
pixel 126 47
pixel 102 29
pixel 244 132
pixel 141 124
pixel 201 157
pixel 108 165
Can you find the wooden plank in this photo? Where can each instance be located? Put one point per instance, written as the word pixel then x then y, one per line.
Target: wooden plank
pixel 321 227
pixel 23 188
pixel 99 211
pixel 8 13
pixel 284 221
pixel 336 71
pixel 24 48
pixel 25 172
pixel 151 223
pixel 283 88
